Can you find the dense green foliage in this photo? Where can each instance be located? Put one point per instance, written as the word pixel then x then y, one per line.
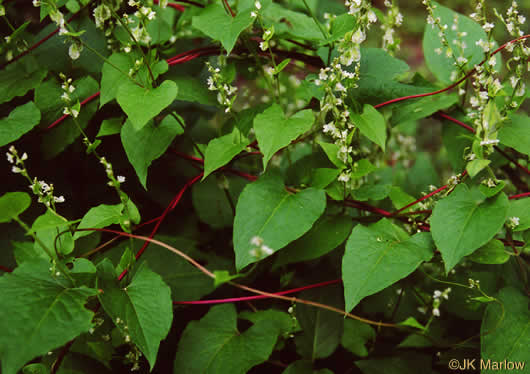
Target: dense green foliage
pixel 242 186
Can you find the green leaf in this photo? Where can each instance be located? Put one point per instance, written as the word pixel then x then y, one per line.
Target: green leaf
pixel 222 150
pixel 288 23
pixel 21 120
pixel 332 151
pixel 267 211
pixel 99 217
pixel 147 144
pixel 35 369
pixel 491 253
pixel 322 329
pixel 505 332
pixel 323 177
pixel 222 277
pixel 441 65
pixel 515 134
pixel 110 126
pixel 142 104
pixel 141 310
pixel 26 251
pixel 372 124
pixel 465 221
pixel 214 344
pixel 400 198
pixel 379 255
pixel 476 166
pixel 282 320
pixel 361 168
pixel 379 77
pixel 357 336
pixel 281 66
pixel 421 108
pixel 12 204
pixel 372 192
pixel 218 25
pixel 211 202
pixel 412 322
pixel 18 78
pixel 47 227
pixel 193 90
pixel 327 233
pixel 39 313
pixel 112 78
pixel 274 131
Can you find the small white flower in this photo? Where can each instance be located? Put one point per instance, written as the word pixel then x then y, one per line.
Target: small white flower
pixel 16 170
pixel 267 250
pixel 488 26
pixel 10 158
pixel 437 294
pixel 257 4
pixel 436 312
pixel 257 241
pixel 358 36
pixel 513 222
pixel 59 199
pixel 120 178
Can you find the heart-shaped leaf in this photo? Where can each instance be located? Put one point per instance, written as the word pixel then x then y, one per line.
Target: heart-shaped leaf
pixel 142 104
pixel 21 120
pixel 132 308
pixel 217 24
pixel 465 221
pixel 274 131
pixel 268 212
pixel 148 143
pixel 378 256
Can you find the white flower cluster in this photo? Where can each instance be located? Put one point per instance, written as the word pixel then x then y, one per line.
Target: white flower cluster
pixel 226 95
pixel 257 8
pixel 113 181
pixel 260 249
pixel 333 79
pixel 437 300
pixel 101 13
pixel 16 160
pixel 392 19
pixel 513 222
pixel 43 190
pixel 513 21
pixel 68 89
pixel 267 36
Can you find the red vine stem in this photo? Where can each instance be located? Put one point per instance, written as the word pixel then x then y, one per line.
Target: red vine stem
pixel 526 194
pixel 471 72
pixel 169 208
pixel 178 7
pixel 229 9
pixel 257 297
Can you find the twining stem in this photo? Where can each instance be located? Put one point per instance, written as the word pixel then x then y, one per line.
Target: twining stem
pixel 324 32
pixel 126 27
pixel 208 273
